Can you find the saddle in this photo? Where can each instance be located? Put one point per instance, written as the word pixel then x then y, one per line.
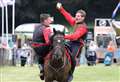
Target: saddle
pixel 74 57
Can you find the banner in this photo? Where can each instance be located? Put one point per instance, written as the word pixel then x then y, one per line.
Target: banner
pixel 7 43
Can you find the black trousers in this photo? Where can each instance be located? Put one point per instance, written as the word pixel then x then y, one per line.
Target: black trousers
pixel 75 48
pixel 23 60
pixel 41 52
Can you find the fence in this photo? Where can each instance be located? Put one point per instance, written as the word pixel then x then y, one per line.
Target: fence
pixel 5 57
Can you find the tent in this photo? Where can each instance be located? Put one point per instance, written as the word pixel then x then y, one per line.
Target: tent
pixel 26 30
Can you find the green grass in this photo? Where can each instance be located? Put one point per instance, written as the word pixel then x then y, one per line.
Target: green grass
pixel 99 73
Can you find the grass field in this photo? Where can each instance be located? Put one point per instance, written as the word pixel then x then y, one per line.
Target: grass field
pixel 99 73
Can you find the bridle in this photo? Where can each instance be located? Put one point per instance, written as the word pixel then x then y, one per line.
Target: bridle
pixel 58 46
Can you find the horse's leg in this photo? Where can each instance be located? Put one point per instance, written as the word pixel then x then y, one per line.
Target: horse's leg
pixel 48 80
pixel 65 80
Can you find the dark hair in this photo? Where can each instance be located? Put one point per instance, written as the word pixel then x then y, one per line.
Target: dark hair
pixel 44 17
pixel 82 12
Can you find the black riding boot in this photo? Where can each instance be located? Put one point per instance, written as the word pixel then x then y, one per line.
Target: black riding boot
pixel 70 77
pixel 41 68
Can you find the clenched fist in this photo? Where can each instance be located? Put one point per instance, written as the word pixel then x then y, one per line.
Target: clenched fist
pixel 59 5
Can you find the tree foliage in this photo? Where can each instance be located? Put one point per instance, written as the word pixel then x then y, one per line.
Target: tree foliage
pixel 28 10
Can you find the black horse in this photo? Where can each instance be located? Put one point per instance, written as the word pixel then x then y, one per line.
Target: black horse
pixel 57 65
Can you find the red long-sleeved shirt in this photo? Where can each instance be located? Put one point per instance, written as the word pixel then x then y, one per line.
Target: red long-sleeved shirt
pixel 79 31
pixel 46 33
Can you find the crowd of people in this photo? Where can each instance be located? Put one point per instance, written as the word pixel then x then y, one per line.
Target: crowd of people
pixel 23 56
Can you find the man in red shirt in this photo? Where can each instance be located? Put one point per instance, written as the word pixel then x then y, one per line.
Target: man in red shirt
pixel 41 40
pixel 76 38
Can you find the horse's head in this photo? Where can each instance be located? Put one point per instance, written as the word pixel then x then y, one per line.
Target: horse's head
pixel 57 41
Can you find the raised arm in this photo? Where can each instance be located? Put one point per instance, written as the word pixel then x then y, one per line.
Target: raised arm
pixel 77 34
pixel 67 15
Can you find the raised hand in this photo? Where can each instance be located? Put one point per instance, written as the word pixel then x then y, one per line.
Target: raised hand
pixel 59 5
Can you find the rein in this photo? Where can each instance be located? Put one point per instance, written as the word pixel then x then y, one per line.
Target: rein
pixel 58 53
pixel 57 70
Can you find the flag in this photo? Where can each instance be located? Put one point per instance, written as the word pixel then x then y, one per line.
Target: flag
pixel 6 2
pixel 1 3
pixel 115 10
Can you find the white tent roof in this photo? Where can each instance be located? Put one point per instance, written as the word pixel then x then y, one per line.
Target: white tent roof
pixel 27 29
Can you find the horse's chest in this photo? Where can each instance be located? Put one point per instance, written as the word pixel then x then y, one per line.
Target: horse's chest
pixel 58 75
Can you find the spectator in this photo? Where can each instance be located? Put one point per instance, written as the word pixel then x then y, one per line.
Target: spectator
pixel 23 55
pixel 91 53
pixel 117 55
pixel 109 56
